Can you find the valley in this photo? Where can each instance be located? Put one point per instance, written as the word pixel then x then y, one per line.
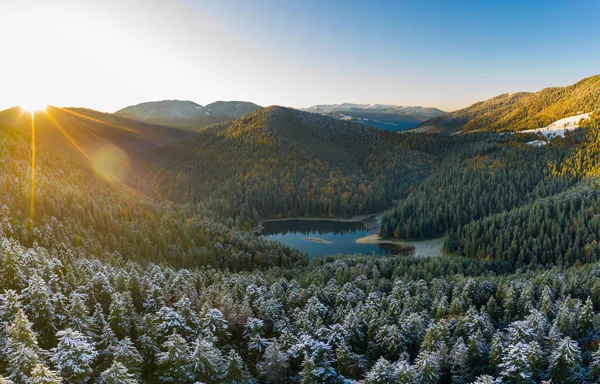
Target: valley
pixel 479 239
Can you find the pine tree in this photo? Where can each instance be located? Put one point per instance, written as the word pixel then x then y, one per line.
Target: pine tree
pixel 6 381
pixel 190 318
pixel 22 350
pixel 175 364
pixel 404 373
pixel 124 352
pixel 486 379
pixel 42 375
pixel 586 318
pixel 565 360
pixel 78 315
pixel 121 308
pixel 307 376
pixel 274 365
pixel 595 363
pixel 428 367
pixel 74 356
pixel 207 362
pixel 117 374
pixel 39 306
pixel 381 373
pixel 516 364
pixel 234 369
pixel 460 362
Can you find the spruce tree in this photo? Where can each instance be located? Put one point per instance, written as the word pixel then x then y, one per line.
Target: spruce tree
pixel 117 374
pixel 74 356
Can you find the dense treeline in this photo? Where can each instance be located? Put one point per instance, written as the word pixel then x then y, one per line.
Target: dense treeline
pixel 498 174
pixel 523 110
pixel 286 163
pixel 338 319
pixel 561 229
pixel 78 210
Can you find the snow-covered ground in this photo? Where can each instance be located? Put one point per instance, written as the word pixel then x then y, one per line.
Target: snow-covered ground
pixel 559 127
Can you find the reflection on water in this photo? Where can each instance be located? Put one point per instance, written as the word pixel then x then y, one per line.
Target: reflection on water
pixel 338 237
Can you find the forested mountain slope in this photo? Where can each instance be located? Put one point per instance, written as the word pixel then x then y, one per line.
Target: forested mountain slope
pixel 286 163
pixel 523 110
pixel 76 208
pixel 101 140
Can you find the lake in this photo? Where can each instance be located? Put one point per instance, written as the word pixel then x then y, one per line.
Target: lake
pixel 324 237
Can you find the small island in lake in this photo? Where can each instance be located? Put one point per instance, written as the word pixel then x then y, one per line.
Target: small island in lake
pixel 313 239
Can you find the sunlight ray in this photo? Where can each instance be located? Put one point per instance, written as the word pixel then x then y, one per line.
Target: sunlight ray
pixel 98 121
pixel 32 192
pixel 68 137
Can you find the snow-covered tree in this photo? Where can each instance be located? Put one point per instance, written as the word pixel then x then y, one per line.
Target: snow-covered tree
pixel 486 379
pixel 460 362
pixel 117 374
pixel 6 381
pixel 42 375
pixel 78 317
pixel 404 372
pixel 39 306
pixel 516 363
pixel 234 371
pixel 274 365
pixel 565 360
pixel 595 363
pixel 253 332
pixel 213 323
pixel 381 373
pixel 428 367
pixel 175 364
pixel 22 350
pixel 207 361
pixel 586 318
pixel 119 318
pixel 168 320
pixel 190 318
pixel 124 352
pixel 73 356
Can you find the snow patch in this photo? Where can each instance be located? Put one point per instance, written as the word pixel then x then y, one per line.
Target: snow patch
pixel 560 127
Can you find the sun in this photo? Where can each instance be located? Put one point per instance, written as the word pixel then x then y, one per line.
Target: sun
pixel 33 106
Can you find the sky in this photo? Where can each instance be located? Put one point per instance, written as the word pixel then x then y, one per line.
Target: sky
pixel 106 55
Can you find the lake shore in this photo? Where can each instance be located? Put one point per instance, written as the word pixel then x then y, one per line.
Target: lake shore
pixel 370 220
pixel 430 247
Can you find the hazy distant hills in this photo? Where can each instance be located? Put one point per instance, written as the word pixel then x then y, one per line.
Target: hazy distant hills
pixel 390 117
pixel 186 115
pixel 521 111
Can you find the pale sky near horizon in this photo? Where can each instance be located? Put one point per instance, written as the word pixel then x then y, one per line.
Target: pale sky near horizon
pixel 108 54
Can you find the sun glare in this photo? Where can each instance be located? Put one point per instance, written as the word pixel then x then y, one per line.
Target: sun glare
pixel 33 106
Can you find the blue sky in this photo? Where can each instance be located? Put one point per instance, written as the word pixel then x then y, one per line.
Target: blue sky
pixel 446 54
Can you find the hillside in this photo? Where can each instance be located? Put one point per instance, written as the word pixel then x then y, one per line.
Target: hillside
pixel 103 140
pixel 283 162
pixel 389 117
pixel 161 112
pixel 521 111
pixel 187 115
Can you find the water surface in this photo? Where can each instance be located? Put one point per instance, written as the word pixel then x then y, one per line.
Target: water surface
pixel 336 237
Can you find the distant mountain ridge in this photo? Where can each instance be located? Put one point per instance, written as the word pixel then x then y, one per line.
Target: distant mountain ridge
pixel 521 111
pixel 186 115
pixel 389 117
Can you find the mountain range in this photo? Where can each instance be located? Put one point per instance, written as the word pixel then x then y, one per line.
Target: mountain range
pixel 186 115
pixel 389 117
